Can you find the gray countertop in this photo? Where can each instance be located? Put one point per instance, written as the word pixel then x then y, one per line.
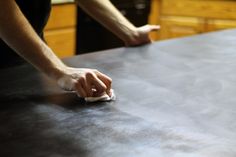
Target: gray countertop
pixel 176 98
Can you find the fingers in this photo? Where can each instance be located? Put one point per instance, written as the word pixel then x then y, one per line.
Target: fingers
pixel 149 28
pixel 86 82
pixel 93 84
pixel 96 84
pixel 154 27
pixel 106 80
pixel 80 90
pixel 85 87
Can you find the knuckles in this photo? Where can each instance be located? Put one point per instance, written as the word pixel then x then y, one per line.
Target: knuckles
pixel 81 79
pixel 89 75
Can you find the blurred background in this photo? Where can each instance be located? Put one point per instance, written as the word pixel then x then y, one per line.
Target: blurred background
pixel 70 31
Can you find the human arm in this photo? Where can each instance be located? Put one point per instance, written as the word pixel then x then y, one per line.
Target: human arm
pixel 105 13
pixel 18 34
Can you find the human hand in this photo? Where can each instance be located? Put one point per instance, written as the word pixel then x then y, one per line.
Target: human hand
pixel 141 35
pixel 86 82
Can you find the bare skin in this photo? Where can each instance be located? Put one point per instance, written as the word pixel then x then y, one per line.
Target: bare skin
pixel 17 32
pixel 105 12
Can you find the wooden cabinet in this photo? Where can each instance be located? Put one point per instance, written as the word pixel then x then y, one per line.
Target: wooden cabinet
pixel 216 24
pixel 60 32
pixel 221 9
pixel 154 17
pixel 172 27
pixel 187 17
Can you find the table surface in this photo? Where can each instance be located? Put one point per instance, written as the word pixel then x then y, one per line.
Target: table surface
pixel 175 98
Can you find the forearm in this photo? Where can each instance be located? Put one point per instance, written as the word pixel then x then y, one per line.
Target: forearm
pixel 16 31
pixel 105 13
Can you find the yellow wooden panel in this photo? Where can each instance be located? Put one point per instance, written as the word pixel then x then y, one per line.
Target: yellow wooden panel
pixel 61 41
pixel 214 25
pixel 221 9
pixel 172 27
pixel 154 18
pixel 62 15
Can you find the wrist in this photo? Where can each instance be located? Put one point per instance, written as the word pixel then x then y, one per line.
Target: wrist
pixel 131 37
pixel 53 66
pixel 58 70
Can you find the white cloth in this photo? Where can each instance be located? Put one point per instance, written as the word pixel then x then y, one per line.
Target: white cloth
pixel 104 97
pixel 68 84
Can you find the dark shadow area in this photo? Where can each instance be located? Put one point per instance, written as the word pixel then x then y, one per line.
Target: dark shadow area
pixel 33 125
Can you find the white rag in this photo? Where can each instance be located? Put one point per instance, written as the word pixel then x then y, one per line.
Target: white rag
pixel 104 97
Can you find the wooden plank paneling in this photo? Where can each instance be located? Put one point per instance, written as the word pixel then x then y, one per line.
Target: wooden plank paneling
pixel 216 24
pixel 154 17
pixel 173 27
pixel 60 32
pixel 62 15
pixel 221 9
pixel 187 17
pixel 61 41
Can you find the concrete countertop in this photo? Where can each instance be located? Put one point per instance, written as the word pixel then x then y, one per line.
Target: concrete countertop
pixel 175 98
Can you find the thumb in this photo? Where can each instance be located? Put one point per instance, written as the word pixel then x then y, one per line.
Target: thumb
pixel 67 83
